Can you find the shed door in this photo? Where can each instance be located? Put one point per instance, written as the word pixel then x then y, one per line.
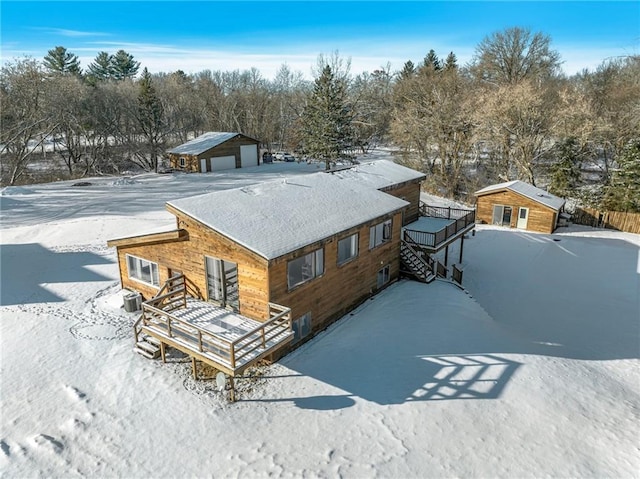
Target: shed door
pixel 523 216
pixel 248 155
pixel 219 163
pixel 203 165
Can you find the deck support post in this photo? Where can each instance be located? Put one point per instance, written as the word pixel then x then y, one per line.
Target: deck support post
pixel 162 352
pixel 446 256
pixel 461 248
pixel 232 393
pixel 195 369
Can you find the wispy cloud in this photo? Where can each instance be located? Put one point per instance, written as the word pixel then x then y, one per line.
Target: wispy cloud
pixel 72 33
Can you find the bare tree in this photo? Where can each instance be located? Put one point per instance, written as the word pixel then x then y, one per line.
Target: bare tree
pixel 516 122
pixel 433 120
pixel 25 124
pixel 515 55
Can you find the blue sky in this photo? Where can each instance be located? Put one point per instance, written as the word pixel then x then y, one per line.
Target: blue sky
pixel 194 36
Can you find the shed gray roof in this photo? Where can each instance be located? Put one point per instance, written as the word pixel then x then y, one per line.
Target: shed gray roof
pixel 380 174
pixel 277 217
pixel 203 143
pixel 525 189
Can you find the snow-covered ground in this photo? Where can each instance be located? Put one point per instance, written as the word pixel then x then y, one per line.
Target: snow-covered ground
pixel 531 372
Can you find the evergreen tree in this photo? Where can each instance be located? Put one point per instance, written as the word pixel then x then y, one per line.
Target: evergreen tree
pixel 151 119
pixel 432 61
pixel 59 60
pixel 101 68
pixel 623 193
pixel 326 119
pixel 565 174
pixel 451 62
pixel 123 65
pixel 408 70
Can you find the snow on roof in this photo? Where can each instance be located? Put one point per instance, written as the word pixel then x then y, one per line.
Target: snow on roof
pixel 276 217
pixel 203 143
pixel 380 174
pixel 525 189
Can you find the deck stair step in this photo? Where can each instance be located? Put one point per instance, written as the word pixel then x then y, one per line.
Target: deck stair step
pixel 147 349
pixel 152 340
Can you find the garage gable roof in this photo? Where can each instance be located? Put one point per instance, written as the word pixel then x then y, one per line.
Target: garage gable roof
pixel 205 142
pixel 277 217
pixel 525 189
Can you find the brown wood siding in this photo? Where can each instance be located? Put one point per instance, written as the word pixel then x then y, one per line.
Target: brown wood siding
pixel 541 218
pixel 252 268
pixel 409 192
pixel 341 287
pixel 188 258
pixel 228 148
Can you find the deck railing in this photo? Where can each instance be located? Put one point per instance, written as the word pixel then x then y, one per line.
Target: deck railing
pixel 156 314
pixel 462 220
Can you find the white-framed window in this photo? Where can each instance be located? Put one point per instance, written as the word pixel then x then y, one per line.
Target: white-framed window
pixel 301 327
pixel 347 248
pixel 384 275
pixel 143 270
pixel 380 233
pixel 183 162
pixel 305 268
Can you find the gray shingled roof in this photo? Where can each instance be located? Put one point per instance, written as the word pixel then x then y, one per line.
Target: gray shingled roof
pixel 203 143
pixel 276 217
pixel 525 189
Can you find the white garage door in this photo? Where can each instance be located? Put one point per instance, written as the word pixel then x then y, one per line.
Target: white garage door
pixel 219 163
pixel 249 155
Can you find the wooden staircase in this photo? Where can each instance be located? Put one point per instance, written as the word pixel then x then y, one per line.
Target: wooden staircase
pixel 147 346
pixel 171 296
pixel 416 263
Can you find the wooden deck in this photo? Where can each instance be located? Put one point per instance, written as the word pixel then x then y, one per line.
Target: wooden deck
pixel 438 226
pixel 222 338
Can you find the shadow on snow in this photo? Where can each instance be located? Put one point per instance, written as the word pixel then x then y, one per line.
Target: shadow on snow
pixel 25 269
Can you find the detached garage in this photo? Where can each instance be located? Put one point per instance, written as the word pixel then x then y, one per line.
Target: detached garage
pixel 215 151
pixel 517 204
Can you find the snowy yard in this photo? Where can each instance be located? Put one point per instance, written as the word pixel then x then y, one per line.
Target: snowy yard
pixel 532 372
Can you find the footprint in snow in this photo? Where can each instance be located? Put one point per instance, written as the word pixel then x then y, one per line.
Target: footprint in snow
pixel 47 443
pixel 75 394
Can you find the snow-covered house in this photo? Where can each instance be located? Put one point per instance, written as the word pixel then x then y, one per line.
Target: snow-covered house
pixel 517 204
pixel 249 272
pixel 215 151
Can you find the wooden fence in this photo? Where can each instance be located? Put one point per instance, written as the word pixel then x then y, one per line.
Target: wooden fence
pixel 616 220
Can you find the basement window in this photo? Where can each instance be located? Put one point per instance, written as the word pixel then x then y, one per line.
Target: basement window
pixel 143 270
pixel 301 327
pixel 305 268
pixel 384 276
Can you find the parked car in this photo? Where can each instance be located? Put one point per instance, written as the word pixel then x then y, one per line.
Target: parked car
pixel 284 156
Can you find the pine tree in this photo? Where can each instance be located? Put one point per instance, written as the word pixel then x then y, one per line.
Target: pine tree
pixel 101 68
pixel 151 119
pixel 326 119
pixel 432 61
pixel 565 174
pixel 451 62
pixel 623 193
pixel 59 60
pixel 123 65
pixel 408 70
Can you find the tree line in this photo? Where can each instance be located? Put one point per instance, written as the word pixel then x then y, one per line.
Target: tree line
pixel 510 113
